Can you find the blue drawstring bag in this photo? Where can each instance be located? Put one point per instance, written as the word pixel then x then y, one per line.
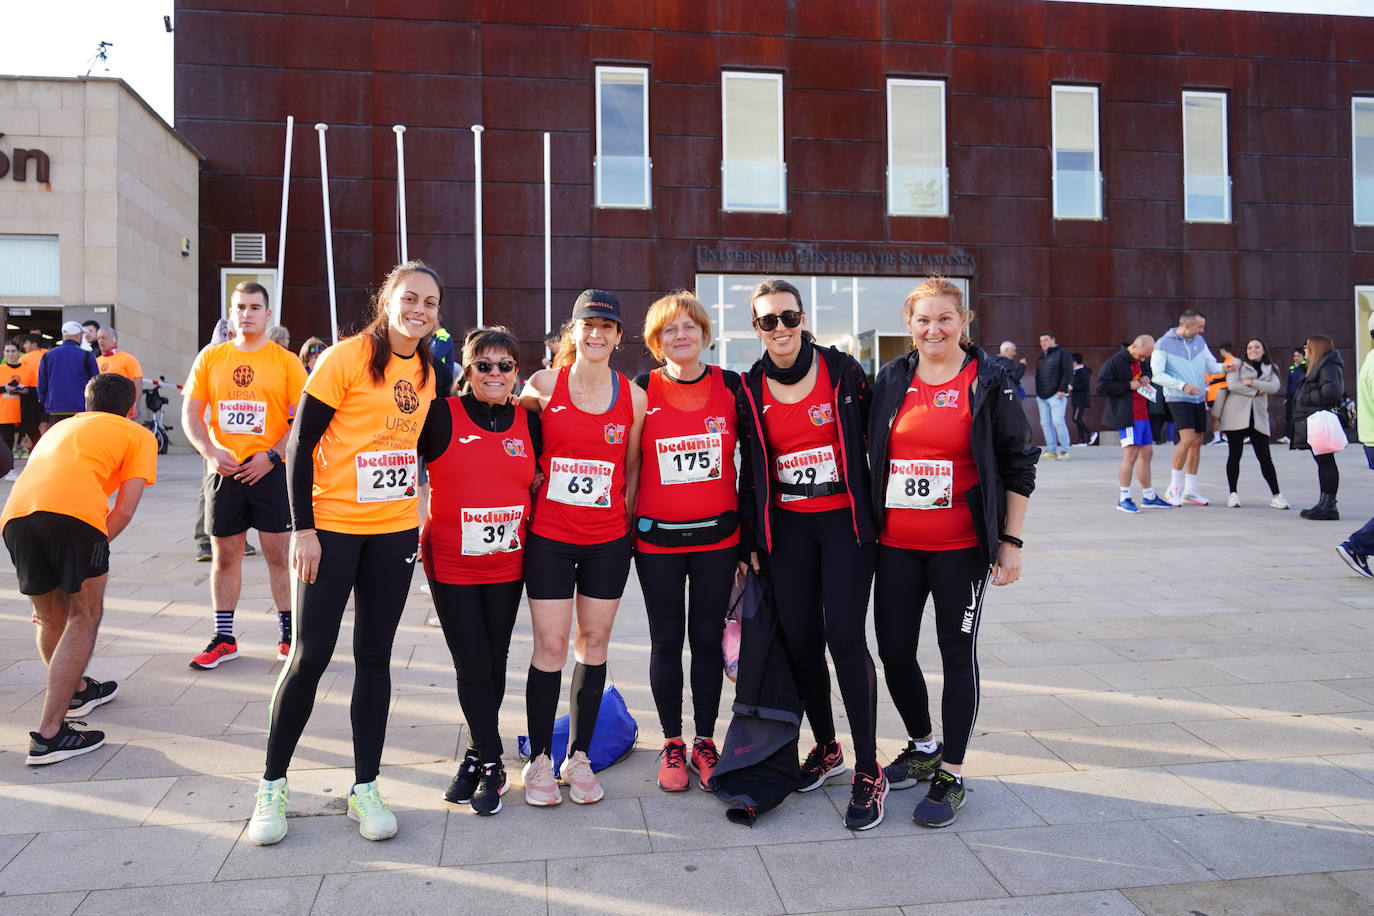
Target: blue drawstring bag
pixel 614 738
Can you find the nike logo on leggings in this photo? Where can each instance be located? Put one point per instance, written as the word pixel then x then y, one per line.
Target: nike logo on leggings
pixel 967 625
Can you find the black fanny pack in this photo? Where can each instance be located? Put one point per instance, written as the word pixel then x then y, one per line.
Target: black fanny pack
pixel 687 534
pixel 809 490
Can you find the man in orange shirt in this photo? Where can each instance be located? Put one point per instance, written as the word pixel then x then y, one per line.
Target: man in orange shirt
pixel 250 387
pixel 113 359
pixel 58 526
pixel 35 420
pixel 14 376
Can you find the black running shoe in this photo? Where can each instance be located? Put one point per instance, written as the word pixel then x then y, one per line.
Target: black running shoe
pixel 93 693
pixel 492 785
pixel 68 742
pixel 912 766
pixel 824 761
pixel 465 781
pixel 866 801
pixel 941 805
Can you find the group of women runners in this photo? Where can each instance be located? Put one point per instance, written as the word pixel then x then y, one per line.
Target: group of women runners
pixel 923 476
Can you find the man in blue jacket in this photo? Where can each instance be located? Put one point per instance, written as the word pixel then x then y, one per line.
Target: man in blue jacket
pixel 1180 365
pixel 63 374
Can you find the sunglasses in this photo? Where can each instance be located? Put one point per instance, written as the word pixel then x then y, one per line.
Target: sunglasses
pixel 483 366
pixel 790 319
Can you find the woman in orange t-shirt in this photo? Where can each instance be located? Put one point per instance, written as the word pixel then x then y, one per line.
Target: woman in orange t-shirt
pixel 353 476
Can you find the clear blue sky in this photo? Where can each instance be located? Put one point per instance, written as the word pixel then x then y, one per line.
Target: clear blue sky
pixel 58 37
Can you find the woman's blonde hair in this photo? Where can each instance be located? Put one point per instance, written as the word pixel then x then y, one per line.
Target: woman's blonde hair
pixel 665 309
pixel 933 287
pixel 1320 345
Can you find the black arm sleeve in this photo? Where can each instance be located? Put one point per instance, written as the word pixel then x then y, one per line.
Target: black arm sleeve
pixel 536 431
pixel 312 419
pixel 437 431
pixel 642 380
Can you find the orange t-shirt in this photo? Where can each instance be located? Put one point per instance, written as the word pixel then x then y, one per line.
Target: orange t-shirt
pixel 251 396
pixel 79 464
pixel 366 468
pixel 9 403
pixel 122 363
pixel 32 359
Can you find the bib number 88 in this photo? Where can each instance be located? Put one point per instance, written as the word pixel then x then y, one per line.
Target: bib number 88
pixel 917 486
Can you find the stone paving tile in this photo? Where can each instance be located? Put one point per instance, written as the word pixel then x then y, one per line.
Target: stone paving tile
pixel 702 881
pixel 1281 668
pixel 1008 682
pixel 1250 739
pixel 1092 796
pixel 1361 688
pixel 42 904
pixel 1295 894
pixel 696 820
pixel 249 898
pixel 1361 882
pixel 1253 845
pixel 1000 754
pixel 128 723
pixel 1073 652
pixel 1160 674
pixel 1361 765
pixel 521 832
pixel 331 844
pixel 14 771
pixel 1361 816
pixel 1099 903
pixel 1127 745
pixel 509 888
pixel 185 756
pixel 80 805
pixel 1026 713
pixel 1262 785
pixel 1081 857
pixel 1278 699
pixel 11 846
pixel 1139 707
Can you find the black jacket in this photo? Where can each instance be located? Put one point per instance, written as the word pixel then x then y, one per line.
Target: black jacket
pixel 850 395
pixel 1082 394
pixel 1114 384
pixel 1322 388
pixel 1001 440
pixel 1053 372
pixel 1015 368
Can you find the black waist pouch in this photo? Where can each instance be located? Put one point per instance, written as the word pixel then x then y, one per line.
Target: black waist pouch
pixel 687 534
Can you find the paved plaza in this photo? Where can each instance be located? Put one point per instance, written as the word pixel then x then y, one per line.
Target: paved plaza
pixel 1177 716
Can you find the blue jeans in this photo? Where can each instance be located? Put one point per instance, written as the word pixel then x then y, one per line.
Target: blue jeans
pixel 1052 423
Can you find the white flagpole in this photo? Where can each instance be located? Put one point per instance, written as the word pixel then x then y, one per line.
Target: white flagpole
pixel 328 235
pixel 548 245
pixel 400 130
pixel 477 212
pixel 281 233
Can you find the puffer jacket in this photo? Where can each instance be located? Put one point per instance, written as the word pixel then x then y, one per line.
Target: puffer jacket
pixel 1322 388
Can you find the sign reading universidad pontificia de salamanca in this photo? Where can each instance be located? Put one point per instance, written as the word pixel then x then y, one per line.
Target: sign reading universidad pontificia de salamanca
pixel 822 258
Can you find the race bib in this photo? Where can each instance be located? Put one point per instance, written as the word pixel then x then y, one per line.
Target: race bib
pixel 920 484
pixel 491 530
pixel 385 476
pixel 816 465
pixel 581 482
pixel 689 459
pixel 242 417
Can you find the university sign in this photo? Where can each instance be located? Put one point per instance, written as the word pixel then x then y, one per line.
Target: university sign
pixel 813 258
pixel 19 160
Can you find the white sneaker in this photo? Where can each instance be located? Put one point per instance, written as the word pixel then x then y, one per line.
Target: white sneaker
pixel 1233 501
pixel 1173 497
pixel 13 475
pixel 583 786
pixel 268 825
pixel 367 807
pixel 1278 502
pixel 433 621
pixel 1196 498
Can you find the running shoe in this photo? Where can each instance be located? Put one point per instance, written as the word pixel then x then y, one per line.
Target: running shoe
pixel 12 475
pixel 1092 440
pixel 465 781
pixel 67 743
pixel 1062 456
pixel 866 801
pixel 94 693
pixel 704 760
pixel 912 766
pixel 487 799
pixel 283 650
pixel 1127 505
pixel 1278 502
pixel 204 554
pixel 221 649
pixel 268 826
pixel 583 786
pixel 249 550
pixel 672 769
pixel 1154 502
pixel 1233 501
pixel 1196 498
pixel 1355 560
pixel 367 807
pixel 541 789
pixel 1173 496
pixel 942 803
pixel 824 761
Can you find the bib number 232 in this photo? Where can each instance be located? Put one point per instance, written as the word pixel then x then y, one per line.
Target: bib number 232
pixel 385 476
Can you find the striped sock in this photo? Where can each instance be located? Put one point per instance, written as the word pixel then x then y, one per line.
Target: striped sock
pixel 284 625
pixel 224 623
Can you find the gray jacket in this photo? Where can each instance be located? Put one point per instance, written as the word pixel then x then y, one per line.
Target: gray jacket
pixel 1247 405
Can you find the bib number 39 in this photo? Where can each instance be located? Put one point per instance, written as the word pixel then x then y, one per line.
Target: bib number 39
pixel 386 476
pixel 920 484
pixel 487 531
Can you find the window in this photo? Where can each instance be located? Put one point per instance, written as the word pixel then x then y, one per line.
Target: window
pixel 1206 179
pixel 1077 179
pixel 917 180
pixel 1362 154
pixel 622 137
pixel 29 266
pixel 753 175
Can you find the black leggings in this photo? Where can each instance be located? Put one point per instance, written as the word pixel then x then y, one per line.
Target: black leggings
pixel 1084 433
pixel 957 580
pixel 8 433
pixel 821 579
pixel 1235 446
pixel 477 622
pixel 1328 475
pixel 376 569
pixel 664 579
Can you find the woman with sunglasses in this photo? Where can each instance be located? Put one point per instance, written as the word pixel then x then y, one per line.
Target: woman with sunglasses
pixel 310 353
pixel 686 527
pixel 811 523
pixel 578 554
pixel 480 449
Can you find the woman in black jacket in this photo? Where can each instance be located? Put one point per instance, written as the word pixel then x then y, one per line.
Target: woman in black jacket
pixel 1322 388
pixel 803 412
pixel 954 468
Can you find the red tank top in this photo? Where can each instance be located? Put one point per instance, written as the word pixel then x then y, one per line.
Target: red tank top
pixel 804 444
pixel 930 467
pixel 582 500
pixel 687 470
pixel 479 502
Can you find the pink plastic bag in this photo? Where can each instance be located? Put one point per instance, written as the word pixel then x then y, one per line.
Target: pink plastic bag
pixel 1324 433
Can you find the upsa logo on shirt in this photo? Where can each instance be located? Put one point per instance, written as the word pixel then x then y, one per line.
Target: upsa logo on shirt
pixel 716 425
pixel 615 433
pixel 821 414
pixel 243 376
pixel 948 397
pixel 514 447
pixel 405 395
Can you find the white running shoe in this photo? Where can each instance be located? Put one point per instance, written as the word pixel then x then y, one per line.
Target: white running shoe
pixel 541 788
pixel 1196 498
pixel 367 807
pixel 13 475
pixel 583 786
pixel 1173 497
pixel 1233 501
pixel 1278 502
pixel 268 825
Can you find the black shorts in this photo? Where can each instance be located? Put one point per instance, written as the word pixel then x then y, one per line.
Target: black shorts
pixel 552 568
pixel 1188 415
pixel 232 506
pixel 51 551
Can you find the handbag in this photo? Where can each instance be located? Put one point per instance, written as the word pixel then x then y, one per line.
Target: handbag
pixel 1324 433
pixel 614 738
pixel 747 592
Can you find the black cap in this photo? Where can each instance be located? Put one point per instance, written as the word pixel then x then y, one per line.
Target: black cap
pixel 597 303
